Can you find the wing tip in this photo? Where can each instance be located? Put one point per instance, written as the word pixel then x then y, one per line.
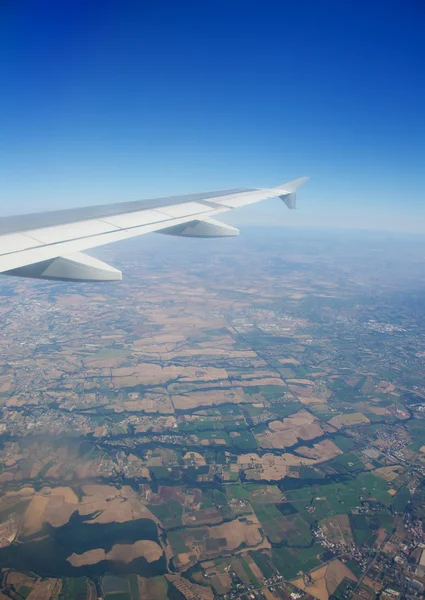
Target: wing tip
pixel 292 186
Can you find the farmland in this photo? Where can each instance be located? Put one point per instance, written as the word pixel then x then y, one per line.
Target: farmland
pixel 227 429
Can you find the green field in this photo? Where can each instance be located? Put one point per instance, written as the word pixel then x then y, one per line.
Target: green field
pixel 24 591
pixel 213 498
pixel 290 562
pixel 269 516
pixel 248 572
pixel 322 412
pixel 245 441
pixel 345 443
pixel 401 499
pixel 169 513
pixel 134 587
pixel 263 561
pixel 112 353
pixel 345 463
pixel 364 526
pixel 354 567
pixel 176 539
pixel 344 590
pixel 241 491
pixel 290 529
pixel 113 585
pixel 338 498
pixel 417 432
pixel 73 589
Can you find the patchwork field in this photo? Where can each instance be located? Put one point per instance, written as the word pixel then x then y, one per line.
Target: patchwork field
pixel 209 398
pixel 56 505
pixel 338 529
pixel 180 436
pixel 211 541
pixel 286 433
pixel 270 467
pixel 154 374
pixel 282 523
pixel 325 580
pixel 120 552
pixel 348 420
pixel 322 451
pixel 153 587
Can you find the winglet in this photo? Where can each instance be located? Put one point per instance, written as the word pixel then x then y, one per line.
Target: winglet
pixel 288 191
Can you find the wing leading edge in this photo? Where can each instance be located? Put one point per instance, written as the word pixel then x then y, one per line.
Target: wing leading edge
pixel 49 245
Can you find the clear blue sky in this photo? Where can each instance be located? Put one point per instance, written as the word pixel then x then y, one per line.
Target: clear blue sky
pixel 108 101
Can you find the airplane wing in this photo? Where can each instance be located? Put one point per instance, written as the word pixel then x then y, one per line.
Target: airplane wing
pixel 49 245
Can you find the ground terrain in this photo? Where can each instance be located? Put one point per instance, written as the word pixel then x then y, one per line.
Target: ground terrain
pixel 238 417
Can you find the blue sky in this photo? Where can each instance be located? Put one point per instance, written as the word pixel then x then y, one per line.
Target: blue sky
pixel 108 101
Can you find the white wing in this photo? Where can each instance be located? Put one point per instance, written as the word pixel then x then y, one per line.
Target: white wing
pixel 49 245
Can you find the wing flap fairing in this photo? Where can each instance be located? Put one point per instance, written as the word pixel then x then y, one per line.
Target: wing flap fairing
pixel 207 228
pixel 77 267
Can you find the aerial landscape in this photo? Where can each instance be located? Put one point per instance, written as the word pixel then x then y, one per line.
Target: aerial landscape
pixel 243 421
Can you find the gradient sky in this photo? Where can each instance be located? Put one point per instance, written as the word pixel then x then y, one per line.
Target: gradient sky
pixel 109 101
